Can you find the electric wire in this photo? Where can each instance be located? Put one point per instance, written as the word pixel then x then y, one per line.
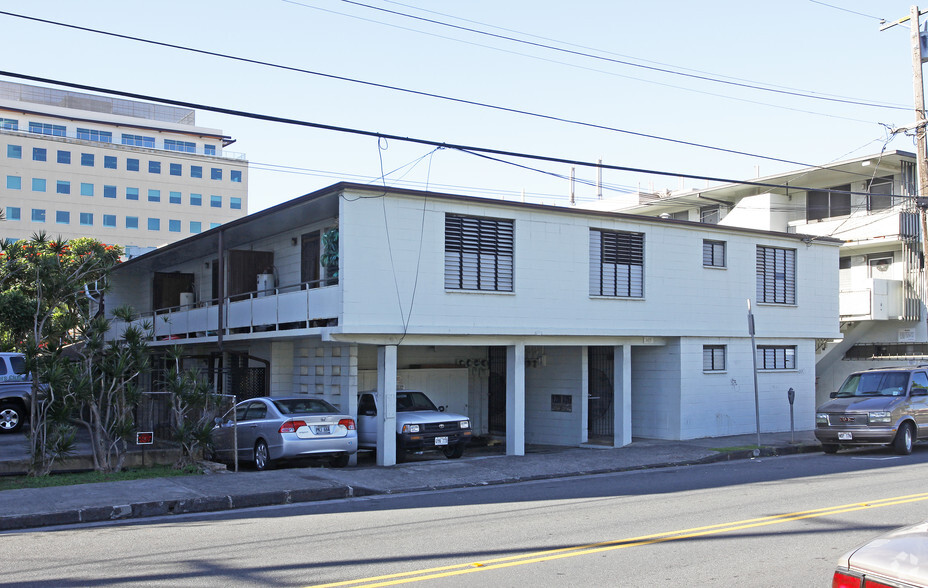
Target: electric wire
pixel 510 110
pixel 848 10
pixel 616 61
pixel 473 149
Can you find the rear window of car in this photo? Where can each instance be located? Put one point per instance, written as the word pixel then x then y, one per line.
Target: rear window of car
pixel 304 406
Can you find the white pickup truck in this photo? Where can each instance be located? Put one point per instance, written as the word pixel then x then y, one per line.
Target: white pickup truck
pixel 420 426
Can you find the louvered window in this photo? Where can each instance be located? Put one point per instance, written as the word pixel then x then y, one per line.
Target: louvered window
pixel 773 357
pixel 616 264
pixel 478 253
pixel 713 358
pixel 776 275
pixel 713 253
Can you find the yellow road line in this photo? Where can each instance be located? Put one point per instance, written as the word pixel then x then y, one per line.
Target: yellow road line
pixel 564 552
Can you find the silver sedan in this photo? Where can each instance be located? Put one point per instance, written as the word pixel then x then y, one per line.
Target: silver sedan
pixel 277 428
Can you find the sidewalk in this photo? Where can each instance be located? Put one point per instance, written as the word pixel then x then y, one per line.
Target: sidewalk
pixel 480 466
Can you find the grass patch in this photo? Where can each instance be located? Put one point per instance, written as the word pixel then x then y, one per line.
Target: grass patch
pixel 14 482
pixel 735 448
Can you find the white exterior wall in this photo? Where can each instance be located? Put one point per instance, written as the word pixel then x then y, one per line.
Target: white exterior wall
pixel 561 374
pixel 552 276
pixel 656 382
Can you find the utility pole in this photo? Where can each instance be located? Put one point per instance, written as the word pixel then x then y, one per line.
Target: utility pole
pixel 921 146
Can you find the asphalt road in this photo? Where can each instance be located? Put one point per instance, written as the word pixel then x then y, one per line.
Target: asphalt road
pixel 768 522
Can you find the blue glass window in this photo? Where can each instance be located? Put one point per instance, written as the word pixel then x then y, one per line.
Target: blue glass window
pixel 38 215
pixel 86 189
pixel 13 213
pixel 196 227
pixel 154 195
pixel 154 167
pixel 215 173
pixel 196 199
pixel 185 146
pixel 176 169
pixel 132 164
pixel 132 222
pixel 235 175
pixel 93 135
pixel 87 159
pixel 235 203
pixel 138 140
pixel 86 219
pixel 196 171
pixel 14 151
pixel 109 162
pixel 14 183
pixel 213 225
pixel 109 220
pixel 47 129
pixel 174 198
pixel 154 224
pixel 215 201
pixel 174 226
pixel 209 149
pixel 64 157
pixel 62 217
pixel 109 191
pixel 38 184
pixel 132 193
pixel 63 187
pixel 10 124
pixel 39 154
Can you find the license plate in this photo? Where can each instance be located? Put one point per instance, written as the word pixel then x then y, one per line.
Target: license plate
pixel 441 440
pixel 845 436
pixel 323 429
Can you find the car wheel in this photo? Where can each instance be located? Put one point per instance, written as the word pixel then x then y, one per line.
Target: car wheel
pixel 454 451
pixel 340 461
pixel 12 417
pixel 262 456
pixel 829 448
pixel 904 440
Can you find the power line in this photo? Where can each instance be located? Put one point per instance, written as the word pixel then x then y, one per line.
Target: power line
pixel 848 10
pixel 617 61
pixel 488 151
pixel 408 91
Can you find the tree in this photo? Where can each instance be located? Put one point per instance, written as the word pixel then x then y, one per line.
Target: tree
pixel 194 408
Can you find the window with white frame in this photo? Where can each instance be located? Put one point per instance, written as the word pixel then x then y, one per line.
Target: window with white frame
pixel 713 253
pixel 616 264
pixel 776 275
pixel 478 253
pixel 713 358
pixel 881 194
pixel 710 214
pixel 822 204
pixel 776 357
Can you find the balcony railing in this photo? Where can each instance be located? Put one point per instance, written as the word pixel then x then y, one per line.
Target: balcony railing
pixel 296 306
pixel 875 300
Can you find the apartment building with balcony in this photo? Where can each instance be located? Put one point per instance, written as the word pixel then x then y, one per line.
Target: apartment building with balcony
pixel 868 203
pixel 125 172
pixel 544 324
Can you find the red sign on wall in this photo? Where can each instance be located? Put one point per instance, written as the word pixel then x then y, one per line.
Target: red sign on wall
pixel 144 438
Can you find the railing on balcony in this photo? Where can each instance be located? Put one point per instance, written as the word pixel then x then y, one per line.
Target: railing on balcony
pixel 874 300
pixel 298 306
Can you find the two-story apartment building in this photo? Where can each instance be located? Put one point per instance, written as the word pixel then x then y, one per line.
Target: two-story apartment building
pixel 544 324
pixel 868 204
pixel 126 172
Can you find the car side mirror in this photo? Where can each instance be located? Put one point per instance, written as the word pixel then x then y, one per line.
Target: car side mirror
pixel 833 395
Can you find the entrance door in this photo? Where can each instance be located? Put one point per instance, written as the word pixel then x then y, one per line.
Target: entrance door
pixel 496 402
pixel 601 418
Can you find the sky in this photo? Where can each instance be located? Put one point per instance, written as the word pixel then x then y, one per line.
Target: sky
pixel 687 72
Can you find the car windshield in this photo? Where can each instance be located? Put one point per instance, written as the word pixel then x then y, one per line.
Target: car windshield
pixel 409 401
pixel 875 384
pixel 304 406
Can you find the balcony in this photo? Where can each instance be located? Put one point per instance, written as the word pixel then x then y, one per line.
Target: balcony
pixel 875 300
pixel 298 306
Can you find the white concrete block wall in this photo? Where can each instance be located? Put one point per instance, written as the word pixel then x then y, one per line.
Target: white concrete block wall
pixel 326 370
pixel 560 374
pixel 282 380
pixel 656 383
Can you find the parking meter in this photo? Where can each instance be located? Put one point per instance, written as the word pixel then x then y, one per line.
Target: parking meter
pixel 791 395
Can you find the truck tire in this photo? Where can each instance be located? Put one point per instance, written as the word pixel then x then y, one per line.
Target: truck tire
pixel 12 417
pixel 905 439
pixel 454 451
pixel 830 448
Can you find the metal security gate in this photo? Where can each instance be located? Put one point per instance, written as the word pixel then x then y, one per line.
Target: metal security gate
pixel 496 403
pixel 601 418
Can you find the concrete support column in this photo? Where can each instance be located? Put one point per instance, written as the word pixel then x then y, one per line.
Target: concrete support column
pixel 350 391
pixel 584 399
pixel 622 396
pixel 515 399
pixel 386 398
